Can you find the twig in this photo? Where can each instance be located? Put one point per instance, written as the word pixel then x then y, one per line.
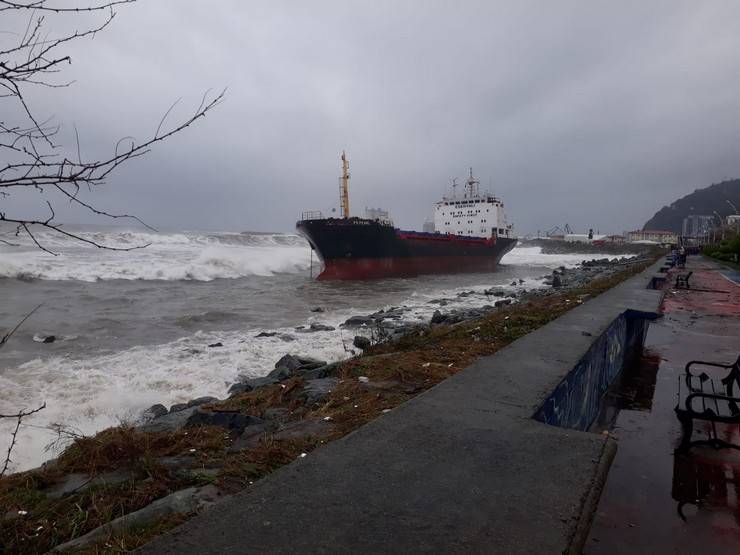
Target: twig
pixel 4 339
pixel 19 418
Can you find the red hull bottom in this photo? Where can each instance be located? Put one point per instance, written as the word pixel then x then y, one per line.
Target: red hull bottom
pixel 377 268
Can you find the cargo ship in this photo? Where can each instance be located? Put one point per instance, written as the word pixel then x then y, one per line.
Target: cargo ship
pixel 470 234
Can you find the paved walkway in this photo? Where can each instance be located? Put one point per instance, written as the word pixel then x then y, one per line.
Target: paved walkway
pixel 653 501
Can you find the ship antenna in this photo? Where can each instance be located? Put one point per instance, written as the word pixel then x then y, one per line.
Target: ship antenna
pixel 454 187
pixel 344 188
pixel 472 183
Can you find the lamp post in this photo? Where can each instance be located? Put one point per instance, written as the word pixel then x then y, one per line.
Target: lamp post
pixel 721 224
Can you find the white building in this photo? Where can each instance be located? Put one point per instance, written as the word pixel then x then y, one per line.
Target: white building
pixel 696 226
pixel 473 214
pixel 652 236
pixel 583 238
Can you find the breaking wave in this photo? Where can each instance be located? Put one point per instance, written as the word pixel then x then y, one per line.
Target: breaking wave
pixel 168 256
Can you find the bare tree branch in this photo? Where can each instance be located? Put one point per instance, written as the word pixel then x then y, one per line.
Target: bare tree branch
pixel 34 160
pixel 4 339
pixel 14 435
pixel 20 414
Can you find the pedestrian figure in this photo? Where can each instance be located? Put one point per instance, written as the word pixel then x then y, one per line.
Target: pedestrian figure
pixel 682 257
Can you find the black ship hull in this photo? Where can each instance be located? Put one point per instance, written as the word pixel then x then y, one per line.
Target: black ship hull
pixel 356 248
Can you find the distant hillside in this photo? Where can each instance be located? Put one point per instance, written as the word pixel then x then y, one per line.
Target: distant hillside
pixel 701 202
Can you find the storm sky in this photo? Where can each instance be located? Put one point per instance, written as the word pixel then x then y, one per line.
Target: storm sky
pixel 592 113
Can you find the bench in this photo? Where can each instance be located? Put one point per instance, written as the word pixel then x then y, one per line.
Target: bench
pixel 701 397
pixel 682 280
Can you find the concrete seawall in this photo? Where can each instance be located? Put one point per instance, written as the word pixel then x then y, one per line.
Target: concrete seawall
pixel 491 460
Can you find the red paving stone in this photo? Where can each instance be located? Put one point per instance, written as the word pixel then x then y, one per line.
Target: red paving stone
pixel 653 501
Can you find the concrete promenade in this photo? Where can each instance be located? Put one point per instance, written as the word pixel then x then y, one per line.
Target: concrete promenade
pixel 463 467
pixel 655 501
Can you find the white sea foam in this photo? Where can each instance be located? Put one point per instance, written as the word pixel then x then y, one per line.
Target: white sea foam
pixel 177 256
pixel 92 393
pixel 533 256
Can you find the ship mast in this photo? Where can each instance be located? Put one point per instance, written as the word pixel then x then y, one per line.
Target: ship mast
pixel 344 188
pixel 472 185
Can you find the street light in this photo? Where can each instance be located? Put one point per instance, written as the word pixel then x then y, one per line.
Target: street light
pixel 721 223
pixel 733 206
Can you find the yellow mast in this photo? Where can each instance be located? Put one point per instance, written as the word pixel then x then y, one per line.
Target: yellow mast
pixel 344 191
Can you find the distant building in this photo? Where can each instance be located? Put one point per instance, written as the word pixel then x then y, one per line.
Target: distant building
pixel 696 227
pixel 615 239
pixel 377 214
pixel 652 236
pixel 583 238
pixel 733 219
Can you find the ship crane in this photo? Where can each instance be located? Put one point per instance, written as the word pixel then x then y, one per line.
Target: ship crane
pixel 344 188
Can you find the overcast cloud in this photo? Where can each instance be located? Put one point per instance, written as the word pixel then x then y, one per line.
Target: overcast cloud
pixel 592 113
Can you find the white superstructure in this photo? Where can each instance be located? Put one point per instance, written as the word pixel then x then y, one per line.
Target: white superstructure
pixel 473 214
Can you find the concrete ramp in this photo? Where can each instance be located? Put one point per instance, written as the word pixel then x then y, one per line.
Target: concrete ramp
pixel 464 467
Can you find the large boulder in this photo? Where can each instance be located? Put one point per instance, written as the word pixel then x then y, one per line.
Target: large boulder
pixel 169 422
pixel 361 342
pixel 291 362
pixel 317 390
pixel 299 429
pixel 233 421
pixel 245 386
pixel 357 321
pixel 437 317
pixel 155 411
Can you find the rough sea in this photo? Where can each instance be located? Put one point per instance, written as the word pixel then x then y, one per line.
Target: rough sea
pixel 133 328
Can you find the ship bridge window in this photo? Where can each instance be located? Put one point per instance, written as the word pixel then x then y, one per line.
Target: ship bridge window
pixel 501 230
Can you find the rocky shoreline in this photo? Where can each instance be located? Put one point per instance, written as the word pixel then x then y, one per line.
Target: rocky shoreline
pixel 179 459
pixel 375 328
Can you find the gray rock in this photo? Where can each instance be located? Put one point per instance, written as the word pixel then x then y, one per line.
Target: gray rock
pixel 201 401
pixel 361 342
pixel 280 374
pixel 317 309
pixel 357 321
pixel 177 407
pixel 317 373
pixel 437 317
pixel 290 362
pixel 266 334
pixel 320 327
pixel 218 344
pixel 502 302
pixel 556 281
pixel 308 363
pixel 249 438
pixel 232 421
pixel 153 412
pixel 299 429
pixel 244 386
pixel 317 390
pixel 169 422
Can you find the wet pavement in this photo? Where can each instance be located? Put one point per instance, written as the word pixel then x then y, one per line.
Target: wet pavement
pixel 655 501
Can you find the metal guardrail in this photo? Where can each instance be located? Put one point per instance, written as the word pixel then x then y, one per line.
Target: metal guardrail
pixel 313 215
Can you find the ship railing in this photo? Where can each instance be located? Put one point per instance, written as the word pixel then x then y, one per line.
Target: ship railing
pixel 312 215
